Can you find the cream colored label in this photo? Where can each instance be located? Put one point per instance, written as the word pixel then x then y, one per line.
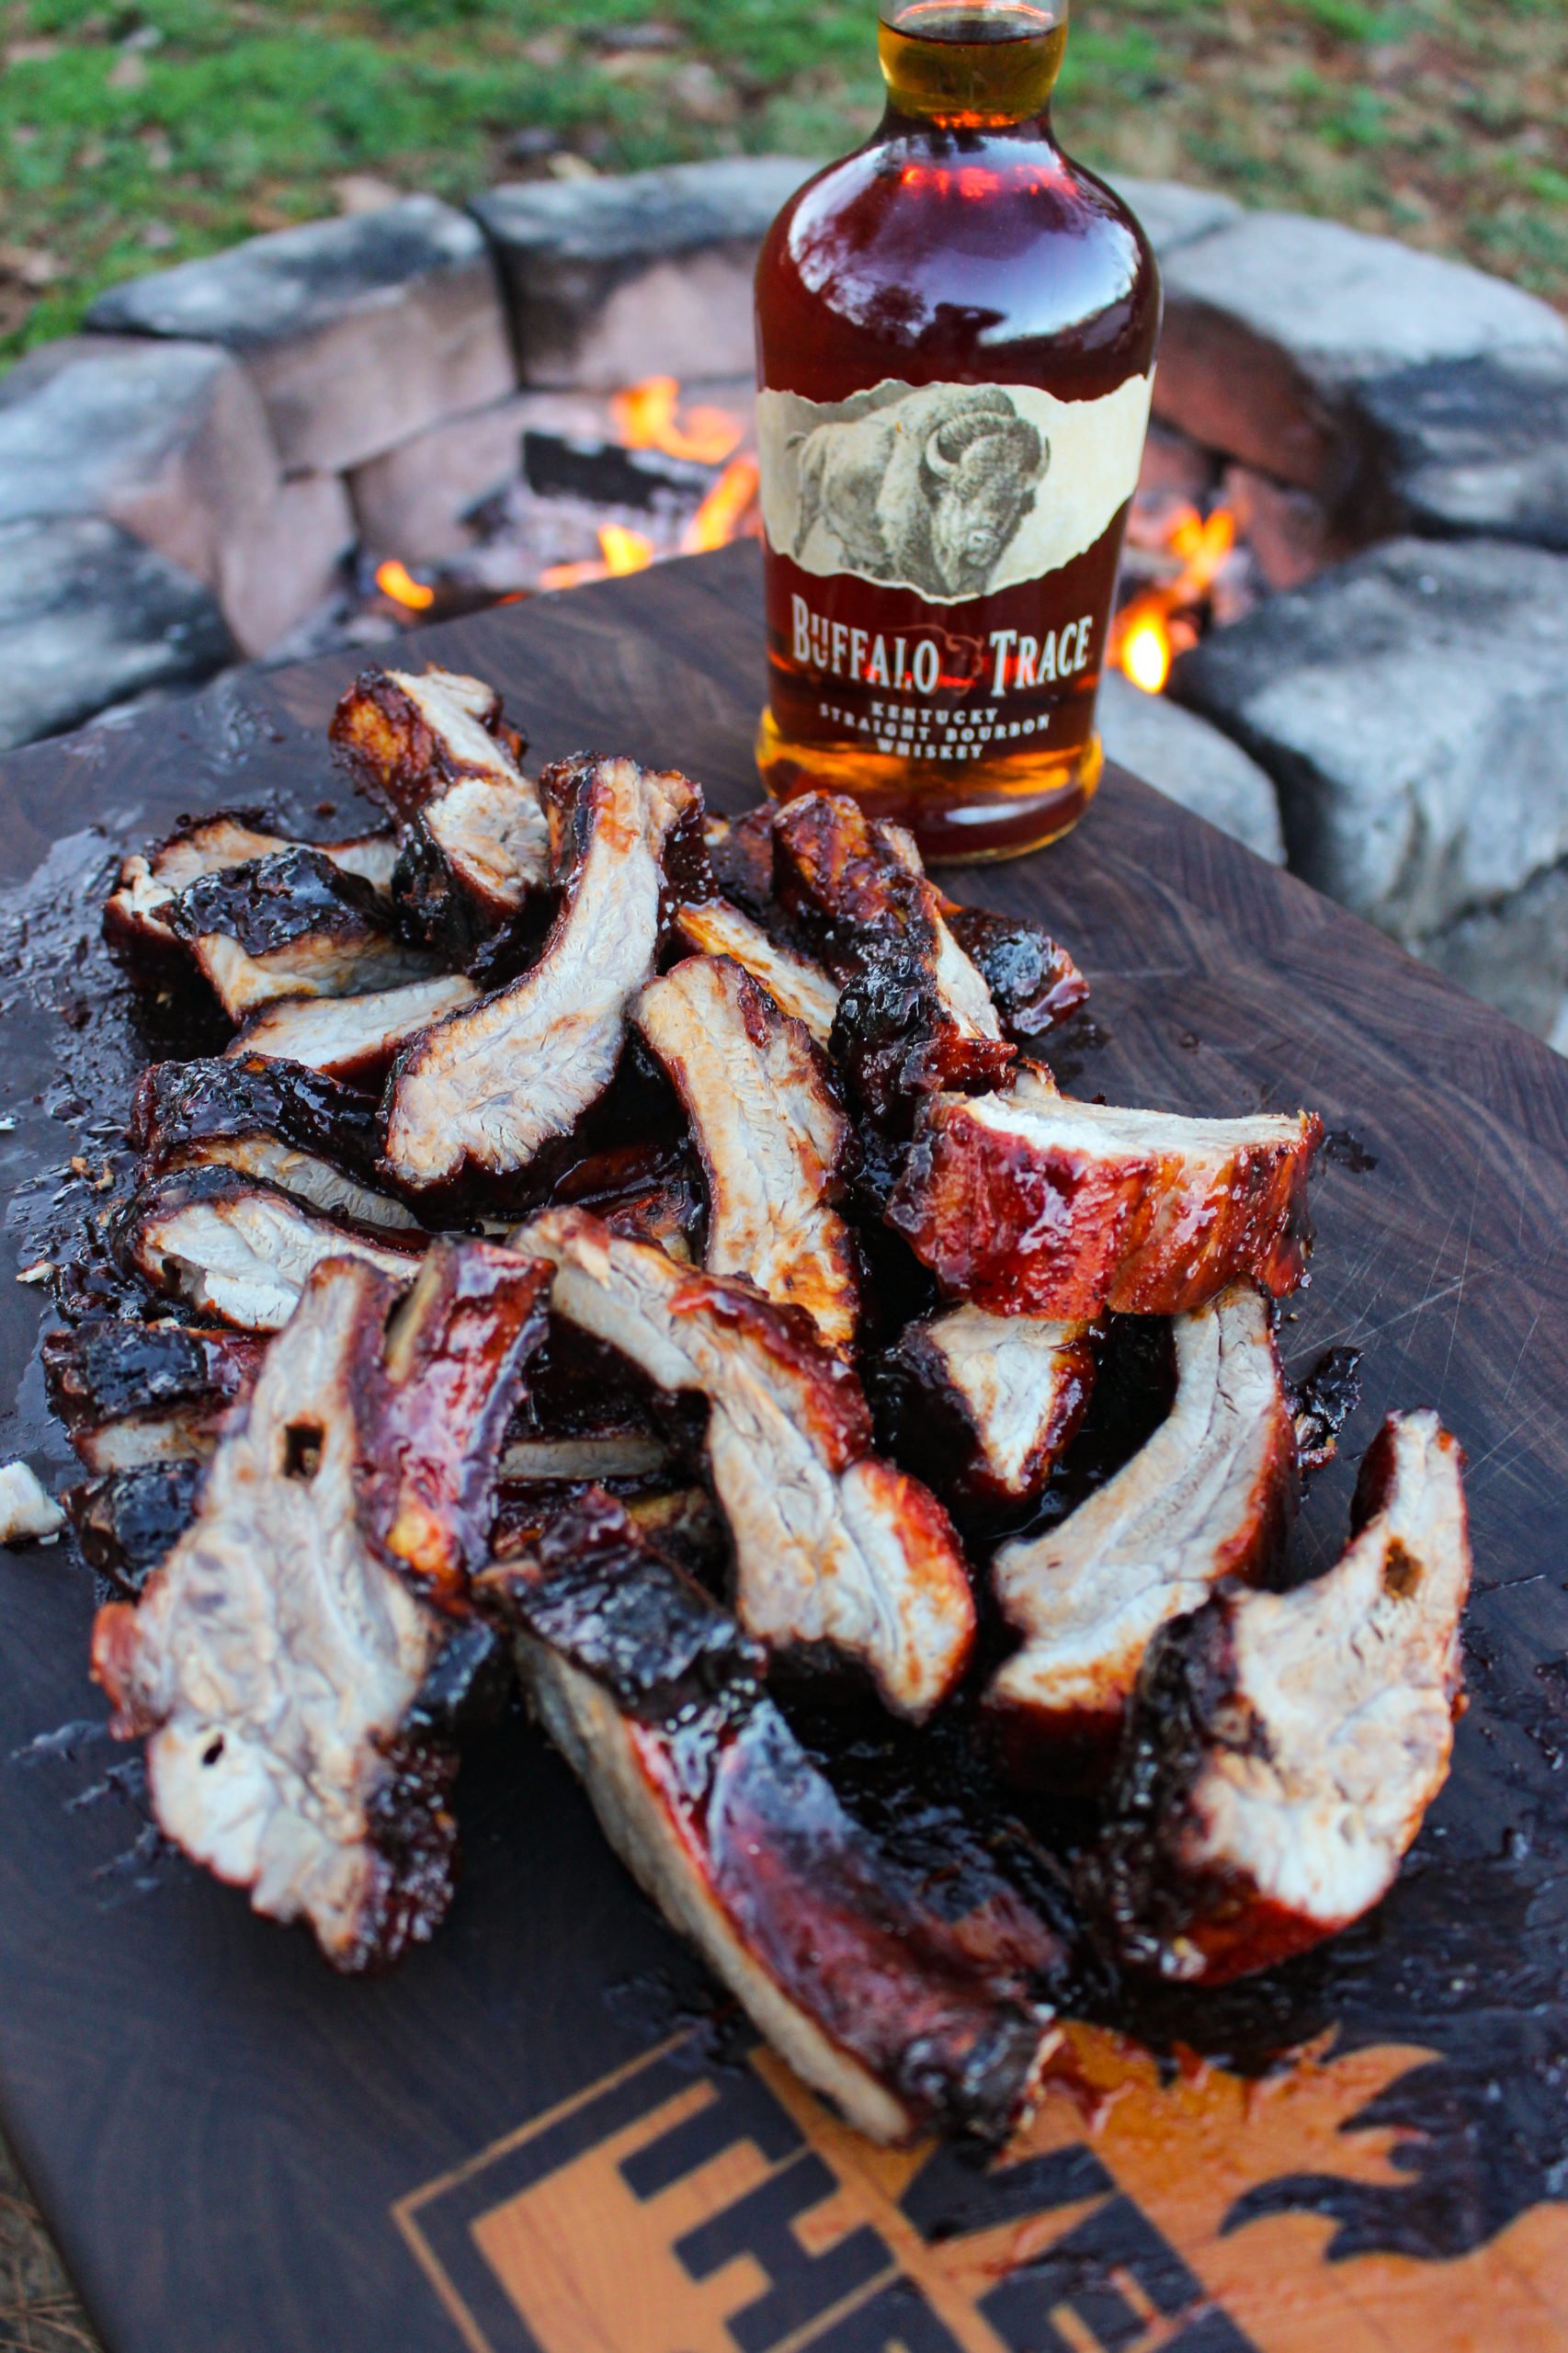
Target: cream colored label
pixel 956 490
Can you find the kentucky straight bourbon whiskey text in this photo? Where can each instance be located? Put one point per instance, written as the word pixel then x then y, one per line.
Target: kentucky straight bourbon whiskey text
pixel 956 337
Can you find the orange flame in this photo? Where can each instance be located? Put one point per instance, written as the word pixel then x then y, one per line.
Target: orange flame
pixel 1146 637
pixel 620 550
pixel 395 580
pixel 647 417
pixel 723 513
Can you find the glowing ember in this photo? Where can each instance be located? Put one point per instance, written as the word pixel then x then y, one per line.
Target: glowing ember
pixel 648 417
pixel 1153 627
pixel 395 580
pixel 620 550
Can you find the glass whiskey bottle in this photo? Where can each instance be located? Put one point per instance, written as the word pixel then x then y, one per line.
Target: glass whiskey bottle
pixel 956 339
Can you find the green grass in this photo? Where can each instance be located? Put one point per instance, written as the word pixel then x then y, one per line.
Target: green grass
pixel 131 136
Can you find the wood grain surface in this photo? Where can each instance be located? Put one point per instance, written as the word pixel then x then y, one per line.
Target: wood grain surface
pixel 238 2150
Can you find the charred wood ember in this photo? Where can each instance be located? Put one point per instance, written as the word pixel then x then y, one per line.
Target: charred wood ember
pixel 1038 1205
pixel 1034 984
pixel 832 1546
pixel 909 2018
pixel 291 925
pixel 992 1401
pixel 310 1136
pixel 770 1132
pixel 718 928
pixel 351 1039
pixel 136 917
pixel 438 750
pixel 127 1522
pixel 914 1018
pixel 1210 1496
pixel 1283 1748
pixel 488 1087
pixel 232 1247
pixel 279 1657
pixel 132 1394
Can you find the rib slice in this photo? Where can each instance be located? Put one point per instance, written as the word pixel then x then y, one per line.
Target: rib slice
pixel 999 1398
pixel 231 1246
pixel 351 1039
pixel 131 1394
pixel 290 925
pixel 831 1546
pixel 1283 1748
pixel 1210 1496
pixel 127 1522
pixel 308 1136
pixel 912 2010
pixel 1036 1205
pixel 489 1086
pixel 136 917
pixel 408 738
pixel 716 927
pixel 1033 982
pixel 914 1017
pixel 277 1657
pixel 770 1134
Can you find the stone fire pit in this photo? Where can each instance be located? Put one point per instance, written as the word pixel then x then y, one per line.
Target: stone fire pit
pixel 185 486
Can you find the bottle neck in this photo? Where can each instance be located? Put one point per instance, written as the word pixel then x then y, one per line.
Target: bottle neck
pixel 972 65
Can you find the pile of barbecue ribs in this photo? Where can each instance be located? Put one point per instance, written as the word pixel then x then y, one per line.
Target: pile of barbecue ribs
pixel 654 1248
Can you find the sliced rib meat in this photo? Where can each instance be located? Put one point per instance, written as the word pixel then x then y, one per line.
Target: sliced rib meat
pixel 1033 982
pixel 127 1522
pixel 584 1458
pixel 912 2010
pixel 1283 1748
pixel 132 1394
pixel 309 1136
pixel 997 1399
pixel 232 1247
pixel 914 1017
pixel 771 1136
pixel 1210 1496
pixel 1039 1205
pixel 277 1657
pixel 488 1087
pixel 832 1545
pixel 291 925
pixel 136 917
pixel 717 927
pixel 408 738
pixel 351 1039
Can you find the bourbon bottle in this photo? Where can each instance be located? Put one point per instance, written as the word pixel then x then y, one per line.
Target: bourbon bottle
pixel 956 337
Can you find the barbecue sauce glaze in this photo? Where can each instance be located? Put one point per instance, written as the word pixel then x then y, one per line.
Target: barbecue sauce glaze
pixel 956 333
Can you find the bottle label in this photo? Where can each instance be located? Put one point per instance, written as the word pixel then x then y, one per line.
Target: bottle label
pixel 954 491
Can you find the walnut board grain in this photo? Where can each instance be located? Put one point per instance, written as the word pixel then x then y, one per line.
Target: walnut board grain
pixel 238 2150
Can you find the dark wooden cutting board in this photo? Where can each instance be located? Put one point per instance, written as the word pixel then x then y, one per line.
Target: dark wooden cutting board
pixel 238 2150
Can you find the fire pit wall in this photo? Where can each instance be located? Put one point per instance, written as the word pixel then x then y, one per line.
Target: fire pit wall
pixel 187 485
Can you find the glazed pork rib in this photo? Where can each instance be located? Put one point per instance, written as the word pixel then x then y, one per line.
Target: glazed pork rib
pixel 770 1134
pixel 308 1136
pixel 832 1545
pixel 232 1247
pixel 351 1039
pixel 914 1017
pixel 476 845
pixel 998 1398
pixel 1034 984
pixel 490 1086
pixel 127 1522
pixel 1283 1748
pixel 277 1657
pixel 136 918
pixel 1210 1496
pixel 133 1394
pixel 1040 1205
pixel 912 2010
pixel 290 925
pixel 716 927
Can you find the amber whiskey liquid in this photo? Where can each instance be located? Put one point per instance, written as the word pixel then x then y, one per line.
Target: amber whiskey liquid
pixel 956 337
